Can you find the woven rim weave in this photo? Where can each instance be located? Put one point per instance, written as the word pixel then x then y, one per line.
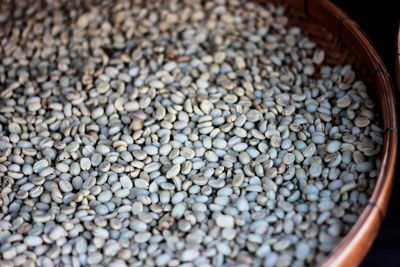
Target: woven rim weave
pixel 397 59
pixel 345 43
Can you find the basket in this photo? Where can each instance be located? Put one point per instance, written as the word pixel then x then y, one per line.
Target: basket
pixel 345 43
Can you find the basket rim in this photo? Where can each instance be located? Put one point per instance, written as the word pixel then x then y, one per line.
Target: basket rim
pixel 397 58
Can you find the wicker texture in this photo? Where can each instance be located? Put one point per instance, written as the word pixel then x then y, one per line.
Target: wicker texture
pixel 398 59
pixel 345 43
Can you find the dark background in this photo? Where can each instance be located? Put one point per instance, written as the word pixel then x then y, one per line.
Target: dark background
pixel 380 21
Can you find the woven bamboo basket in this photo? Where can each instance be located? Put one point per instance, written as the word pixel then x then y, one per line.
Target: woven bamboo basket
pixel 345 43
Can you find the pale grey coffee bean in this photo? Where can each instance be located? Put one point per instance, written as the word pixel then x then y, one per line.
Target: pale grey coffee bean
pixel 72 147
pixel 138 226
pixel 253 115
pixel 105 196
pixel 205 106
pixel 200 180
pixel 198 164
pixel 302 251
pixel 333 146
pixel 240 62
pixel 46 171
pixel 315 170
pixel 211 156
pixel 240 147
pixel 33 241
pixel 126 182
pixel 139 154
pixel 219 143
pixel 151 150
pixel 65 186
pixel 188 153
pixel 208 172
pixel 125 155
pixel 184 226
pixel 178 197
pixel 152 167
pixel 27 169
pixel 142 237
pixel 75 168
pixel 244 158
pixel 101 209
pixel 275 141
pixel 364 166
pixel 141 183
pixel 97 113
pixel 178 210
pixel 57 233
pixel 11 252
pixel 238 179
pixel 111 248
pixel 103 149
pixel 103 88
pixel 286 143
pixel 289 158
pixel 361 122
pixel 219 57
pixel 174 171
pixel 242 204
pixel 62 167
pixel 190 254
pixel 122 193
pixel 185 82
pixel 81 245
pixel 163 259
pixel 309 150
pixel 318 138
pixel 165 197
pixel 225 221
pixel 85 164
pixel 259 170
pixel 281 244
pixel 96 159
pixel 207 142
pixel 240 132
pixel 199 207
pixel 186 167
pixel 40 165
